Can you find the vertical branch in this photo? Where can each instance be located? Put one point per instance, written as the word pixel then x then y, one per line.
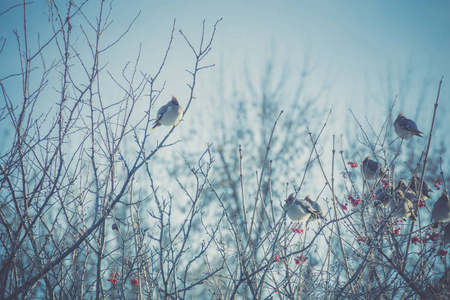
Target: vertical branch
pixel 241 176
pixel 199 55
pixel 255 208
pixel 425 161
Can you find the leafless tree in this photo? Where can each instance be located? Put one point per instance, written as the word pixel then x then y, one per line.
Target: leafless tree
pixel 85 212
pixel 69 167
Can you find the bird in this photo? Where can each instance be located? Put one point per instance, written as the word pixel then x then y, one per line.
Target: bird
pixel 441 210
pixel 408 193
pixel 415 184
pixel 383 196
pixel 445 237
pixel 298 210
pixel 401 185
pixel 169 114
pixel 406 128
pixel 401 207
pixel 370 169
pixel 318 211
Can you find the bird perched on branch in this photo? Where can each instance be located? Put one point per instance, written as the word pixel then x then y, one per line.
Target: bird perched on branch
pixel 406 128
pixel 401 185
pixel 408 193
pixel 169 114
pixel 318 211
pixel 383 196
pixel 401 207
pixel 414 184
pixel 301 210
pixel 441 210
pixel 371 169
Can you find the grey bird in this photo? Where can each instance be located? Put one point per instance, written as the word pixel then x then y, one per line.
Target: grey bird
pixel 406 128
pixel 445 237
pixel 441 210
pixel 383 196
pixel 414 184
pixel 169 114
pixel 401 207
pixel 298 209
pixel 317 209
pixel 371 169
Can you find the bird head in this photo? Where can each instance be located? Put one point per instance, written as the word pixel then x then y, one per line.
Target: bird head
pixel 399 194
pixel 401 185
pixel 400 117
pixel 366 159
pixel 290 198
pixel 174 100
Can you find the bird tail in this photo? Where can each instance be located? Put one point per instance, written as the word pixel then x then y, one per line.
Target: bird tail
pixel 313 212
pixel 316 214
pixel 156 124
pixel 418 133
pixel 435 225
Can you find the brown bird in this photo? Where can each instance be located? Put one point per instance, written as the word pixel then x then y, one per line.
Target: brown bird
pixel 414 184
pixel 401 207
pixel 371 169
pixel 408 193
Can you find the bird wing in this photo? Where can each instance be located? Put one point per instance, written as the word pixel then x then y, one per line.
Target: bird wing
pixel 305 205
pixel 415 183
pixel 312 208
pixel 380 194
pixel 410 125
pixel 374 166
pixel 426 190
pixel 162 110
pixel 318 210
pixel 383 194
pixel 408 204
pixel 410 209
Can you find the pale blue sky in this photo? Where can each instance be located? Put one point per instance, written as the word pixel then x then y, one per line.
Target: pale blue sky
pixel 353 42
